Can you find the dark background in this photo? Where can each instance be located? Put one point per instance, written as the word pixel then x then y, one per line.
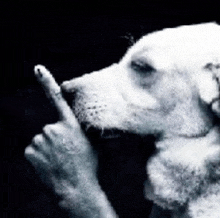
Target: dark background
pixel 72 38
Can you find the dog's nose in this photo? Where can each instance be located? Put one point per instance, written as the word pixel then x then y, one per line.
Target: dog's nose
pixel 69 91
pixel 75 84
pixel 68 86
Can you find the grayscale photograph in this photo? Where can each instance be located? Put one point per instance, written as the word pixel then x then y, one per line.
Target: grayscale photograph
pixel 110 109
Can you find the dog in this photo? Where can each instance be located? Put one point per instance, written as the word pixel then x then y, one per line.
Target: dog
pixel 166 85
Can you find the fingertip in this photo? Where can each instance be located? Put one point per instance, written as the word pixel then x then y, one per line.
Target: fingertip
pixel 41 71
pixel 29 150
pixel 38 68
pixel 53 91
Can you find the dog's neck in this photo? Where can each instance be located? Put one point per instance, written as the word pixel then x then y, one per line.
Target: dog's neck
pixel 190 184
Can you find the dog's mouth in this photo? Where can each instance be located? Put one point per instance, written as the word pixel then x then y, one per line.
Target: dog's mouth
pixel 98 133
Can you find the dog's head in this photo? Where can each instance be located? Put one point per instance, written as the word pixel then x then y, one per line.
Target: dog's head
pixel 165 84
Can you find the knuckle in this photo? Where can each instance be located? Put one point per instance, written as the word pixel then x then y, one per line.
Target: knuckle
pixel 71 124
pixel 58 94
pixel 29 150
pixel 55 94
pixel 52 130
pixel 48 129
pixel 61 125
pixel 35 157
pixel 37 140
pixel 52 127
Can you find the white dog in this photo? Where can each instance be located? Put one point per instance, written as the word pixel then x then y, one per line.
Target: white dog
pixel 167 84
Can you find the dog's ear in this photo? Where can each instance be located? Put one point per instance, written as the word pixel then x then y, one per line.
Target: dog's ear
pixel 209 86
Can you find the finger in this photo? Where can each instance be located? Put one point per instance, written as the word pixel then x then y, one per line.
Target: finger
pixel 53 92
pixel 40 144
pixel 38 141
pixel 52 131
pixel 34 156
pixel 39 162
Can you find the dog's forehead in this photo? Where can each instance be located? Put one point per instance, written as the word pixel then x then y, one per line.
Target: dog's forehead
pixel 198 43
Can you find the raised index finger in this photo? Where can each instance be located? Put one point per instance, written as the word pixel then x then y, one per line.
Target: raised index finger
pixel 53 92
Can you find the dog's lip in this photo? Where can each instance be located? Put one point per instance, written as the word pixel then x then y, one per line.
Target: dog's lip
pixel 200 135
pixel 106 133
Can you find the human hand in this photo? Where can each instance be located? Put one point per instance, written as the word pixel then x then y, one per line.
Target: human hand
pixel 62 152
pixel 65 159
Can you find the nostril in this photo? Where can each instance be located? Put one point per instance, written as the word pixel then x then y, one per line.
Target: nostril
pixel 70 86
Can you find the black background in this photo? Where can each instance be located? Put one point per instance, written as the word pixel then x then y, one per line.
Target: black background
pixel 72 38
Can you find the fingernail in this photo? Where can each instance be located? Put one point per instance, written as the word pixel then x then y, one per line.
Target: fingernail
pixel 38 70
pixel 39 73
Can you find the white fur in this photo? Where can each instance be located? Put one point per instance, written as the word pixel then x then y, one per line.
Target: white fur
pixel 174 101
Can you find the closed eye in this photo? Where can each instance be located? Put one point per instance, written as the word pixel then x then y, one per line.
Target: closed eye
pixel 142 67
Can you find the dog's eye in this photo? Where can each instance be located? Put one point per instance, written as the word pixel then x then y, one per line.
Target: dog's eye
pixel 142 67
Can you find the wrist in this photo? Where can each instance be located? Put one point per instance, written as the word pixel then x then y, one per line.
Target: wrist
pixel 86 200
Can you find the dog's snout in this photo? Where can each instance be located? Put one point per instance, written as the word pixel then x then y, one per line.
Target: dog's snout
pixel 76 84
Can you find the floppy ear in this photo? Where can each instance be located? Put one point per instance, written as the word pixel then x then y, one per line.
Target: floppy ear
pixel 209 86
